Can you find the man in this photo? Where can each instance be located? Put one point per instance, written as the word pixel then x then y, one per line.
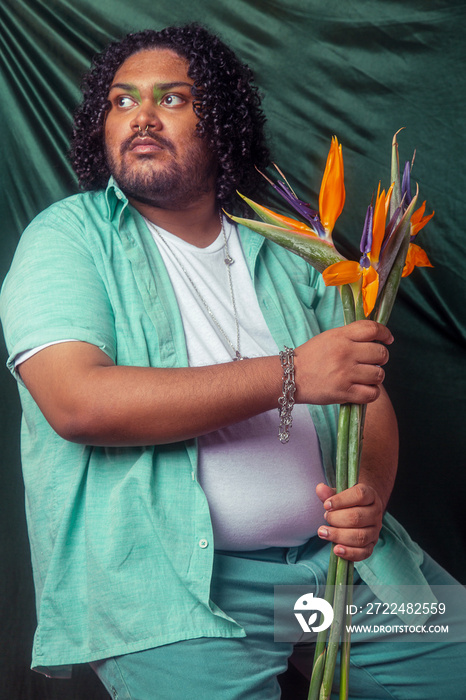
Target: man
pixel 147 335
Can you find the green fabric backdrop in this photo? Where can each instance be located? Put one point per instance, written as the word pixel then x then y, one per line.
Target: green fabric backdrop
pixel 358 69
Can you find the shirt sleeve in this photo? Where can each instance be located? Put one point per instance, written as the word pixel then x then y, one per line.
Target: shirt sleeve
pixel 26 354
pixel 53 290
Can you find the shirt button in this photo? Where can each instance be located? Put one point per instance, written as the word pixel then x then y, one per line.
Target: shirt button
pixel 203 544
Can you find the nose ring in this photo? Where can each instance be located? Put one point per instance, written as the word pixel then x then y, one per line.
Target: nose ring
pixel 142 133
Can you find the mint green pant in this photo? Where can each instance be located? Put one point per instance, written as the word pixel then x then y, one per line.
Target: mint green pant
pixel 247 668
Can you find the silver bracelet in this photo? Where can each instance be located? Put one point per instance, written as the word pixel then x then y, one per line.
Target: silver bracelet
pixel 286 401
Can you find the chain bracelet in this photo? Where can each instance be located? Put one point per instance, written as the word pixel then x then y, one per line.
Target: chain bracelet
pixel 286 401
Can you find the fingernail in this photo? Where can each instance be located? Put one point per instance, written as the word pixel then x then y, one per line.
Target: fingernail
pixel 323 532
pixel 339 550
pixel 328 505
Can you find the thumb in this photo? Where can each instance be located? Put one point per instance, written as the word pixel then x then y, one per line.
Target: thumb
pixel 323 491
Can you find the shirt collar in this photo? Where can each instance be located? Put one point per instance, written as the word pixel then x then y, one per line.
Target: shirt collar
pixel 115 199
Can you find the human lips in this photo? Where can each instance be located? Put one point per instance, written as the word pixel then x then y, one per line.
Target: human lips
pixel 145 144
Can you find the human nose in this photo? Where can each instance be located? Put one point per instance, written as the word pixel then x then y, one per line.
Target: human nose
pixel 146 118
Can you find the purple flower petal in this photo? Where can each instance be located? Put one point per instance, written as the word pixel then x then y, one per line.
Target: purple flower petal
pixel 406 185
pixel 301 207
pixel 366 238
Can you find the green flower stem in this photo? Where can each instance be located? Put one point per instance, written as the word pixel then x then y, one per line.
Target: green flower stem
pixel 347 300
pixel 395 200
pixel 318 669
pixel 339 607
pixel 347 469
pixel 346 638
pixel 354 440
pixel 342 447
pixel 361 433
pixel 321 659
pixel 320 652
pixel 354 453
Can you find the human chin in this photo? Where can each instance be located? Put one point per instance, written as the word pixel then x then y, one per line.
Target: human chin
pixel 134 175
pixel 164 184
pixel 159 189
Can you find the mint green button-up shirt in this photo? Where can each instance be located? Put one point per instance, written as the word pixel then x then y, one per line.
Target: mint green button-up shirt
pixel 121 538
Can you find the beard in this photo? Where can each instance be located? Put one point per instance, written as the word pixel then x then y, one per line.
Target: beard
pixel 168 185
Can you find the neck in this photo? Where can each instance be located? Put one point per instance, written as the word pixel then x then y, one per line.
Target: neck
pixel 197 224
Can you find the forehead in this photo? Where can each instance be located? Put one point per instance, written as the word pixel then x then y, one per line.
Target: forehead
pixel 153 66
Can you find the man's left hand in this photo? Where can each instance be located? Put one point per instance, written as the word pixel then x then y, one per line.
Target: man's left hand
pixel 354 520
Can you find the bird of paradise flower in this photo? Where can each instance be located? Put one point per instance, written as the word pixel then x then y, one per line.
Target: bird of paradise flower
pixel 380 242
pixel 368 289
pixel 364 273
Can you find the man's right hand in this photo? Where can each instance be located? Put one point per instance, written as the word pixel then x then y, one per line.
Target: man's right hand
pixel 342 365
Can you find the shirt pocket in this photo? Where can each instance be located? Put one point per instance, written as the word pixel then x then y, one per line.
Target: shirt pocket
pixel 305 294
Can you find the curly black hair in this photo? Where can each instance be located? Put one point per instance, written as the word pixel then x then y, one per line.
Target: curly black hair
pixel 225 101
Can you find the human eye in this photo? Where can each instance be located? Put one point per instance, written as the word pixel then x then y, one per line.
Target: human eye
pixel 124 101
pixel 171 100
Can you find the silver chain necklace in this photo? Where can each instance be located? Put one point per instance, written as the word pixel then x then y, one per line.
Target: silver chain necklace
pixel 228 260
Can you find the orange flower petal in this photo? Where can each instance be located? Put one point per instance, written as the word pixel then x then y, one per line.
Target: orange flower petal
pixel 418 220
pixel 378 225
pixel 288 222
pixel 416 257
pixel 388 197
pixel 419 213
pixel 344 272
pixel 370 287
pixel 332 189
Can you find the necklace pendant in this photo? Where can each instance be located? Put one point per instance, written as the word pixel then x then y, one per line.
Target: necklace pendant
pixel 239 356
pixel 228 260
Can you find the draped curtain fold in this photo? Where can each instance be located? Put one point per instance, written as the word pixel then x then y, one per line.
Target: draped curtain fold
pixel 360 70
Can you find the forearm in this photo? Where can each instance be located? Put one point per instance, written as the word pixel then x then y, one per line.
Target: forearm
pixel 168 405
pixel 379 459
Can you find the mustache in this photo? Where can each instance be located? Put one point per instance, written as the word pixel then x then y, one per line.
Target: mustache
pixel 156 138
